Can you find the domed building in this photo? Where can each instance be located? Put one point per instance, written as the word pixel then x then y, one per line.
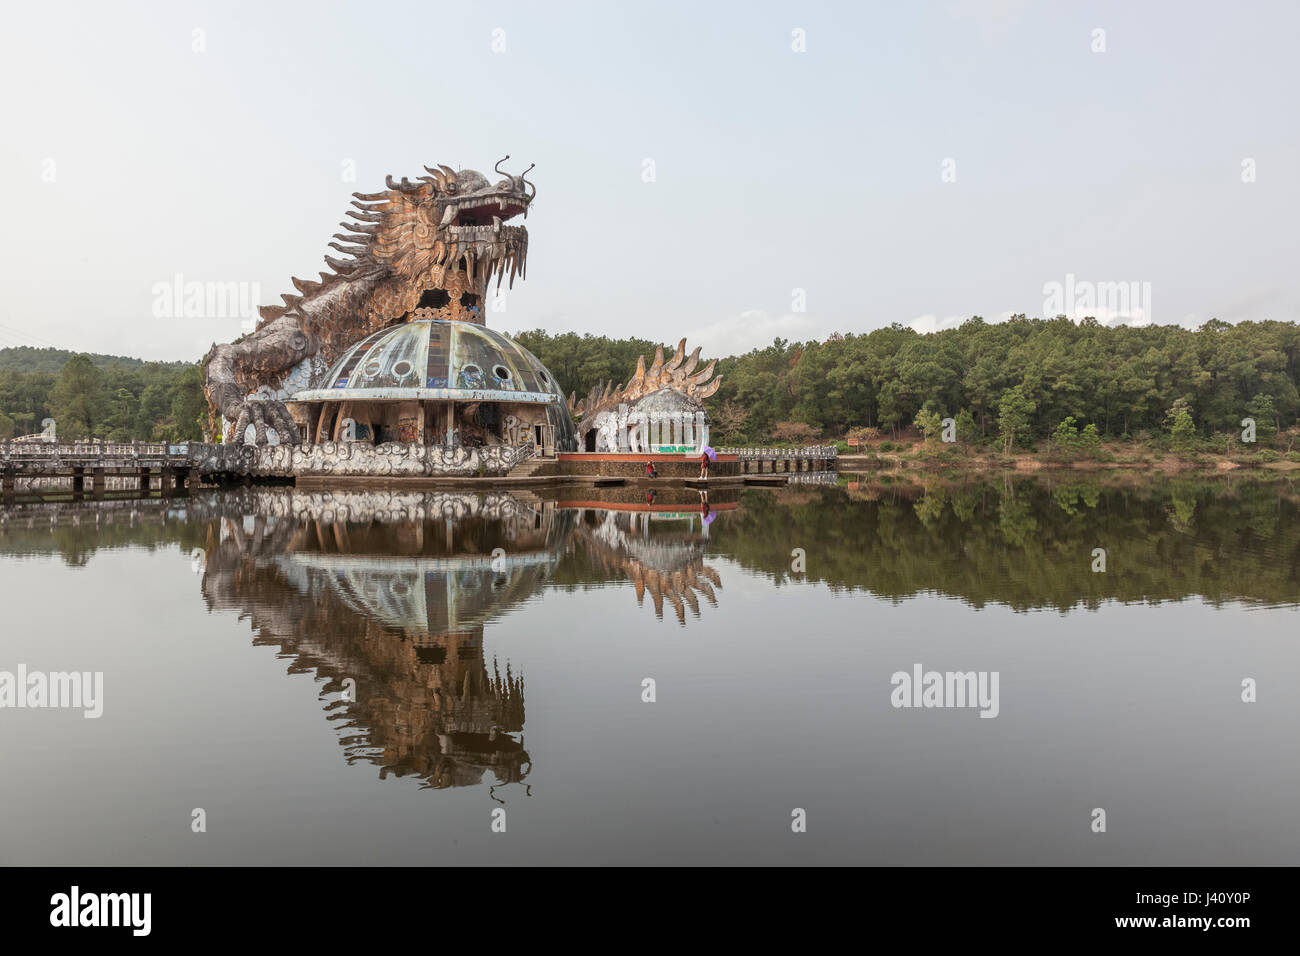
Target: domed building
pixel 433 381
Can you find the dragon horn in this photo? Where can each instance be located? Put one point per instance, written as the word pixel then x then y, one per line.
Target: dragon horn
pixel 450 173
pixel 405 185
pixel 497 167
pixel 533 194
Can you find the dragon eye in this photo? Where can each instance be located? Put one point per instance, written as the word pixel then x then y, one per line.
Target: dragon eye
pixel 451 188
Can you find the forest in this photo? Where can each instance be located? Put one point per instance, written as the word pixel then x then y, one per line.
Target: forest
pixel 1029 375
pixel 1010 383
pixel 101 396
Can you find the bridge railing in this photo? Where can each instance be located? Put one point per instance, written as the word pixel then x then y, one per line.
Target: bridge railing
pixel 766 454
pixel 21 451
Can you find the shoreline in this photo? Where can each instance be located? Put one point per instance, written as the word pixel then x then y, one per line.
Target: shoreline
pixel 1153 463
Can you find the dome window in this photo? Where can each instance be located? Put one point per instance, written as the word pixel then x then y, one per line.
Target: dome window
pixel 502 373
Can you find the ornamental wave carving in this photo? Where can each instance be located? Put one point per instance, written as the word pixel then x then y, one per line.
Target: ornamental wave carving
pixel 355 459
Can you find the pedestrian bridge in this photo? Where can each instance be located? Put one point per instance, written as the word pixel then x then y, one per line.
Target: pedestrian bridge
pixel 173 467
pixel 808 458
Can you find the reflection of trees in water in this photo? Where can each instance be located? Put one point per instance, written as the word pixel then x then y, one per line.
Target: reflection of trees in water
pixel 76 530
pixel 1028 543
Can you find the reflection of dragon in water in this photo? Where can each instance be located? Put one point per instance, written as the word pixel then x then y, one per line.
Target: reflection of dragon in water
pixel 432 244
pixel 395 611
pixel 670 569
pixel 386 595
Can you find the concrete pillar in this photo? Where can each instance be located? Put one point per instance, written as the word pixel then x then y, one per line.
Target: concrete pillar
pixel 167 481
pixel 97 483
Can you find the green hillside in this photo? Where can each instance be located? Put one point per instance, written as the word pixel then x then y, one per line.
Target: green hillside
pixel 105 396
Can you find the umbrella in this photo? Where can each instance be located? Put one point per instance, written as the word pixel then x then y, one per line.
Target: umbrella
pixel 708 450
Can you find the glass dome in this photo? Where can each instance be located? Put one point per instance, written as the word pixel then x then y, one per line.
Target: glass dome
pixel 436 359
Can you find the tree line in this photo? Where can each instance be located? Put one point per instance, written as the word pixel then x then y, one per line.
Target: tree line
pixel 1011 382
pixel 1023 377
pixel 118 399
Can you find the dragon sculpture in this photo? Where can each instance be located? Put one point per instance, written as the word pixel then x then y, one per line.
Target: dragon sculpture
pixel 430 244
pixel 614 410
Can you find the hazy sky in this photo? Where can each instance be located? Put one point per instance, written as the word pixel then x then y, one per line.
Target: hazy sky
pixel 130 157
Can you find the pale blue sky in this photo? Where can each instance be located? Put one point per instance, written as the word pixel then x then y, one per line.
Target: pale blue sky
pixel 775 170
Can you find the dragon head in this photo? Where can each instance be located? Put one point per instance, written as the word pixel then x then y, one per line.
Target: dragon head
pixel 446 231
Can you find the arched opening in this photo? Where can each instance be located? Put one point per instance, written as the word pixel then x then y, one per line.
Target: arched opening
pixel 589 442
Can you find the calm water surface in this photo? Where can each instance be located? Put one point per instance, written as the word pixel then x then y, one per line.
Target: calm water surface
pixel 364 678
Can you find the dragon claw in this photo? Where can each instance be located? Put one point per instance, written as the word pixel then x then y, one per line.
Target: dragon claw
pixel 264 416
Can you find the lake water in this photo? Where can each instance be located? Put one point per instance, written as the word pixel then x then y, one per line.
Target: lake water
pixel 365 678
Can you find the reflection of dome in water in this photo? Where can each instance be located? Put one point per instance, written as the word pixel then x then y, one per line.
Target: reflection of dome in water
pixel 437 359
pixel 422 595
